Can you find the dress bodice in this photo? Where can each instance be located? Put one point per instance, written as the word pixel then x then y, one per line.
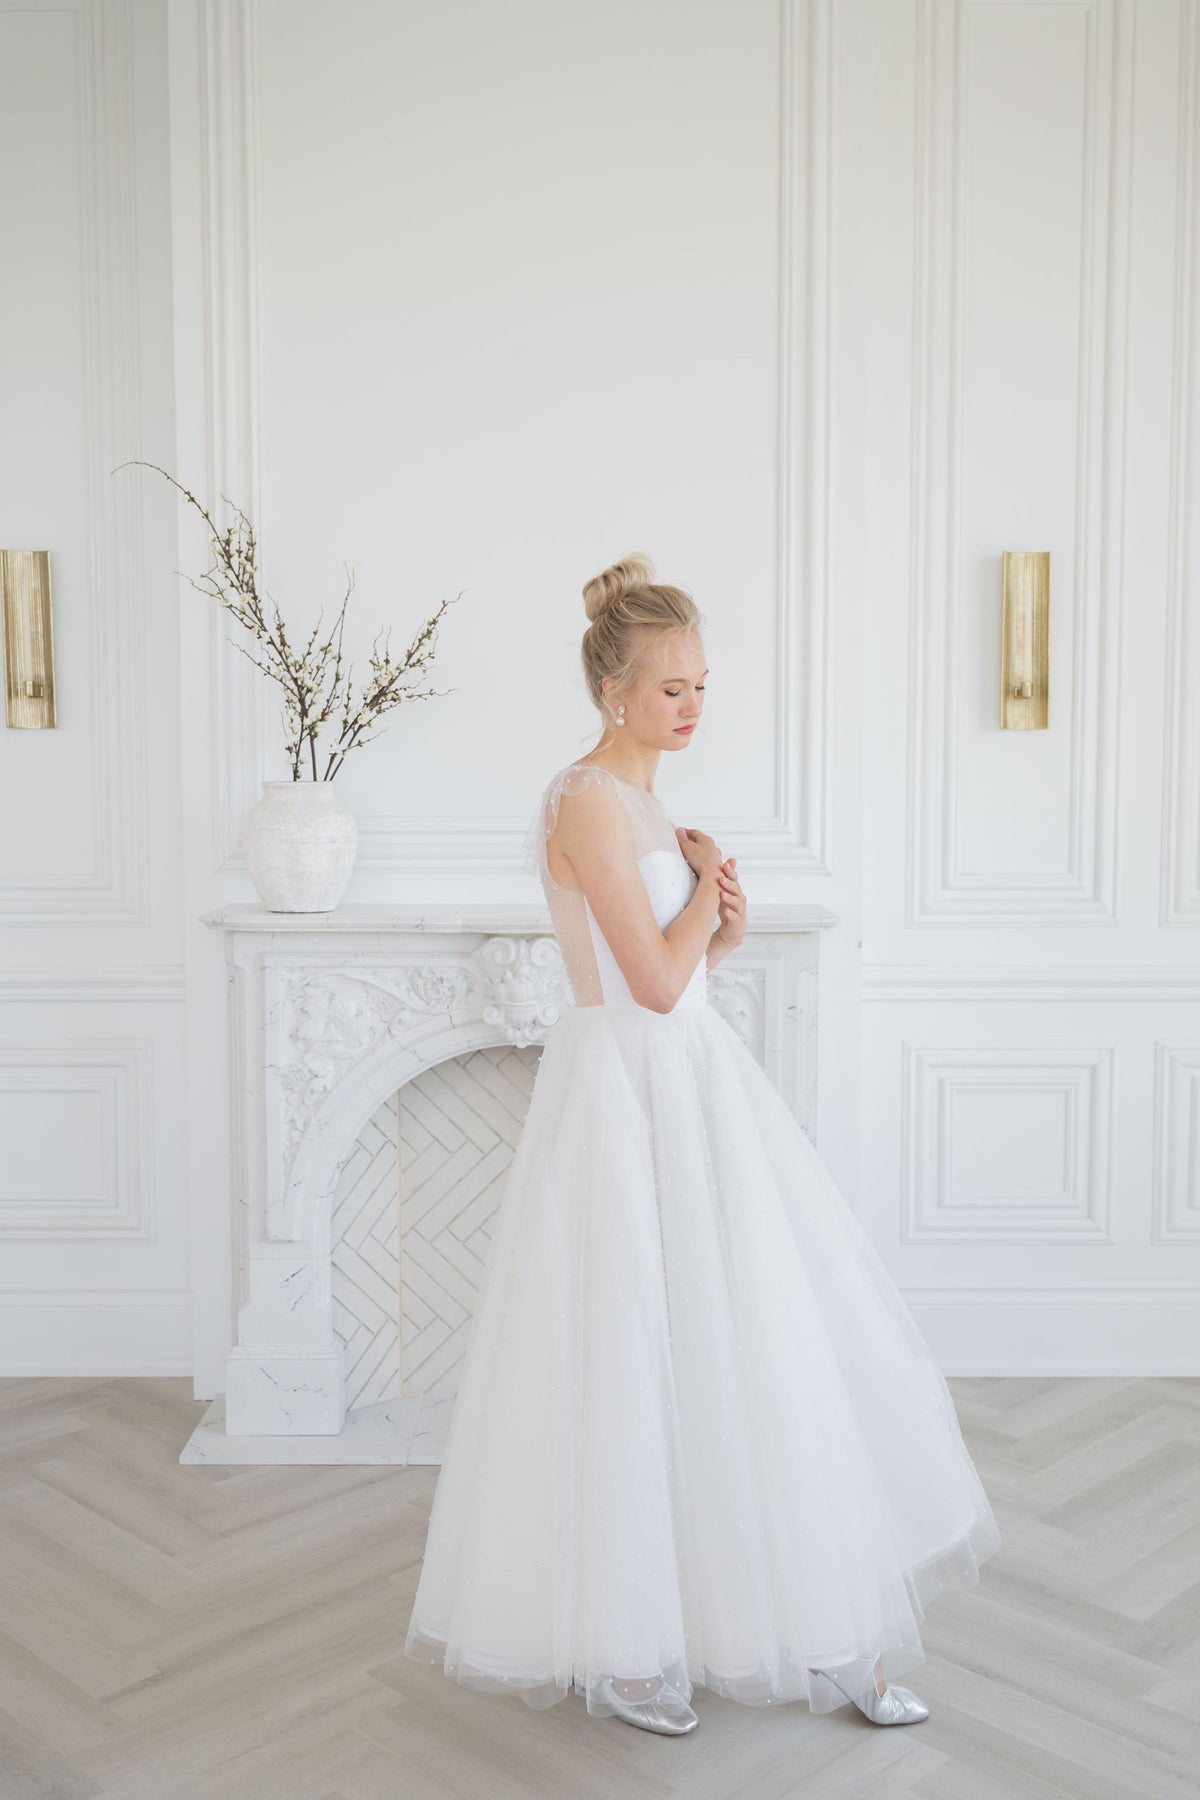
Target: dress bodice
pixel 592 969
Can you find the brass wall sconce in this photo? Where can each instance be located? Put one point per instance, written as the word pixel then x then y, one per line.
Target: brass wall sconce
pixel 28 639
pixel 1025 647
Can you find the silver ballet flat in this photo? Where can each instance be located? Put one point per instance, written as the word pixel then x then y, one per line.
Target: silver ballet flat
pixel 665 1711
pixel 856 1681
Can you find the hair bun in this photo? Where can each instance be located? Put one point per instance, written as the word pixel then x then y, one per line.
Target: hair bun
pixel 633 571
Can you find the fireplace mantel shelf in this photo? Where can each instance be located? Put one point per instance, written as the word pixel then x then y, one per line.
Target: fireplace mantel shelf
pixel 487 915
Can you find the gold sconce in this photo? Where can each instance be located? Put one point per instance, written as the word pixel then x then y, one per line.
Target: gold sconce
pixel 1025 651
pixel 28 639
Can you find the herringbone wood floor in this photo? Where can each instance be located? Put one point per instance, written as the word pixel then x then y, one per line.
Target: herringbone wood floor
pixel 193 1633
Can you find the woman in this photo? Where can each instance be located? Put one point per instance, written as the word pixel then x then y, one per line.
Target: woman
pixel 698 1437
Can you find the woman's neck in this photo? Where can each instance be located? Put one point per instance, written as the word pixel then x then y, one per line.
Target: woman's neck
pixel 640 778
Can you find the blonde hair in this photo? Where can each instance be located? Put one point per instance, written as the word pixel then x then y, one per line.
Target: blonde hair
pixel 626 606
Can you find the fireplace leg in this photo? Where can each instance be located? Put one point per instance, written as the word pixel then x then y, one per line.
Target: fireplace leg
pixel 302 1395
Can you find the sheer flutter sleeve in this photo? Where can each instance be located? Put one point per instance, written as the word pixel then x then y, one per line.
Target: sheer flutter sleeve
pixel 576 778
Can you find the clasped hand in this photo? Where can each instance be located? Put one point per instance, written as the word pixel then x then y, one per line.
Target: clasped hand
pixel 703 855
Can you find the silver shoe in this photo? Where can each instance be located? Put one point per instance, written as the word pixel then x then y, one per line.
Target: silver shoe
pixel 666 1711
pixel 856 1682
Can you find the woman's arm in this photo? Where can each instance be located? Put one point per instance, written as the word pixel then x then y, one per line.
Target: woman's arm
pixel 732 929
pixel 596 836
pixel 717 951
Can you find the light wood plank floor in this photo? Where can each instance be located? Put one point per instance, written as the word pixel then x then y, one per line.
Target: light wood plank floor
pixel 193 1633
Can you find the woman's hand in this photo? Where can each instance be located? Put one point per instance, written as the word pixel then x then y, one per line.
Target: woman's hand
pixel 702 853
pixel 732 908
pixel 699 850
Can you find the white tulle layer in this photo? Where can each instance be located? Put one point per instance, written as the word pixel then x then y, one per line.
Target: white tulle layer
pixel 697 1430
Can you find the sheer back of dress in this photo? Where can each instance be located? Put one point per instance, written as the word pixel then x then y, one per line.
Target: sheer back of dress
pixel 591 968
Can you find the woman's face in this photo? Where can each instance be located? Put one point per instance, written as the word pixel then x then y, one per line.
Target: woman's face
pixel 668 698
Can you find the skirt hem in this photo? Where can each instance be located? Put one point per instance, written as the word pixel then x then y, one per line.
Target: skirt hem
pixel 541 1686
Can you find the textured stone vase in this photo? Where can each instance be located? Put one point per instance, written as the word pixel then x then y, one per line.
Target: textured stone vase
pixel 299 842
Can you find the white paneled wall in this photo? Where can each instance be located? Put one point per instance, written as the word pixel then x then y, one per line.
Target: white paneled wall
pixel 1028 178
pixel 825 304
pixel 476 298
pixel 94 1269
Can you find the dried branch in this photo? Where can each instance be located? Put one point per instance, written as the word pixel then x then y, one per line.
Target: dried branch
pixel 311 680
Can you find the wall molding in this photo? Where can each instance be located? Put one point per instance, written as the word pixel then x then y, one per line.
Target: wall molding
pixel 243 730
pixel 229 115
pixel 935 1078
pixel 49 986
pixel 95 1296
pixel 1180 881
pixel 801 836
pixel 1175 1208
pixel 84 1333
pixel 1026 982
pixel 1087 1293
pixel 938 891
pixel 113 612
pixel 118 1073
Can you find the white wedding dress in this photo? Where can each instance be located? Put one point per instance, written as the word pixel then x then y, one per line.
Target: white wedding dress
pixel 697 1431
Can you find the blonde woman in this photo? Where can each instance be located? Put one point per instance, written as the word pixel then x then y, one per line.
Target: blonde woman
pixel 698 1438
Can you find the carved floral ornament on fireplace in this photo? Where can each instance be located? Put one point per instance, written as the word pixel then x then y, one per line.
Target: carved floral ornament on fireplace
pixel 329 1016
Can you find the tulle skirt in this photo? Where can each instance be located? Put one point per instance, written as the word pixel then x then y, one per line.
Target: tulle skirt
pixel 697 1433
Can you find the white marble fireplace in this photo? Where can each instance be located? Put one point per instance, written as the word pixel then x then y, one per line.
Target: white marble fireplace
pixel 330 1016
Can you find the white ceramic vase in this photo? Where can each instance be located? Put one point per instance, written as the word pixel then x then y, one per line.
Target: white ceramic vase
pixel 299 843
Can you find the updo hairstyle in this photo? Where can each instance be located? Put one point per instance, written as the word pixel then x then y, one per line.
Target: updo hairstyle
pixel 627 606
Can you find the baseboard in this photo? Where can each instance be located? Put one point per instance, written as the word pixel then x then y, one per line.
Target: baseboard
pixel 92 1331
pixel 1101 1330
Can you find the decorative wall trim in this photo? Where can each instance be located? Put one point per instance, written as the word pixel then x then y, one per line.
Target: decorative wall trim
pixel 243 730
pixel 1180 899
pixel 1085 1293
pixel 1175 1212
pixel 95 1296
pixel 240 726
pixel 118 1073
pixel 48 986
pixel 95 1333
pixel 938 891
pixel 113 611
pixel 935 1079
pixel 801 837
pixel 1026 982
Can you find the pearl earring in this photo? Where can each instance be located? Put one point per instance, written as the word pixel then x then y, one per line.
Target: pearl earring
pixel 620 720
